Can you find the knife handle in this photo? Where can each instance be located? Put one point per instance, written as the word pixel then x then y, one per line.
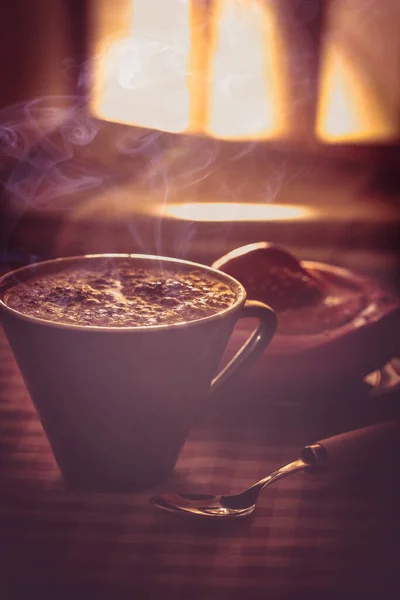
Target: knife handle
pixel 355 449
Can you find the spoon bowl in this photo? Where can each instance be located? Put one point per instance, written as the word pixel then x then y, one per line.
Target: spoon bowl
pixel 201 505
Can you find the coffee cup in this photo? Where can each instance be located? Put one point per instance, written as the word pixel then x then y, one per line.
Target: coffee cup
pixel 117 402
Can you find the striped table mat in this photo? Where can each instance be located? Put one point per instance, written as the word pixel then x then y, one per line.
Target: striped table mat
pixel 311 537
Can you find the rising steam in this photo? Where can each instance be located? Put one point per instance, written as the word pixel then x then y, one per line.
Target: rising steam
pixel 55 156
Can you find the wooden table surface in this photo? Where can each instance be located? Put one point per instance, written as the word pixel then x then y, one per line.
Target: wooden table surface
pixel 310 537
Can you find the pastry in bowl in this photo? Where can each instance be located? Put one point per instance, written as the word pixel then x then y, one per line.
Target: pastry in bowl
pixel 332 323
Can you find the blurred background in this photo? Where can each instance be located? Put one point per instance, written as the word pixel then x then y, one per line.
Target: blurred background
pixel 190 127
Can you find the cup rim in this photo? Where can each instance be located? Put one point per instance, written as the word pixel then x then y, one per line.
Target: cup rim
pixel 239 301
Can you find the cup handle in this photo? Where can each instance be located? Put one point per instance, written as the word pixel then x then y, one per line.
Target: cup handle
pixel 253 347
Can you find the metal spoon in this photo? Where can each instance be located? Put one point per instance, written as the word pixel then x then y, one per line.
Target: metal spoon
pixel 349 450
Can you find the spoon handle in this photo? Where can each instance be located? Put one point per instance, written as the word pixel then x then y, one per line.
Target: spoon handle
pixel 354 449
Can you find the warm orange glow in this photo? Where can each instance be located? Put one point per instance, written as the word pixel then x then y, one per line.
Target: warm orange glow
pixel 144 76
pixel 349 109
pixel 247 98
pixel 356 88
pixel 232 211
pixel 221 67
pixel 178 66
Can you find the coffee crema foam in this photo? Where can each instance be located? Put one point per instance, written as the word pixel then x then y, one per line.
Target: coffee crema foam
pixel 120 294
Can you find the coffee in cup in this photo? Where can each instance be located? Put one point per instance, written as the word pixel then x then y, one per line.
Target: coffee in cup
pixel 120 294
pixel 119 352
